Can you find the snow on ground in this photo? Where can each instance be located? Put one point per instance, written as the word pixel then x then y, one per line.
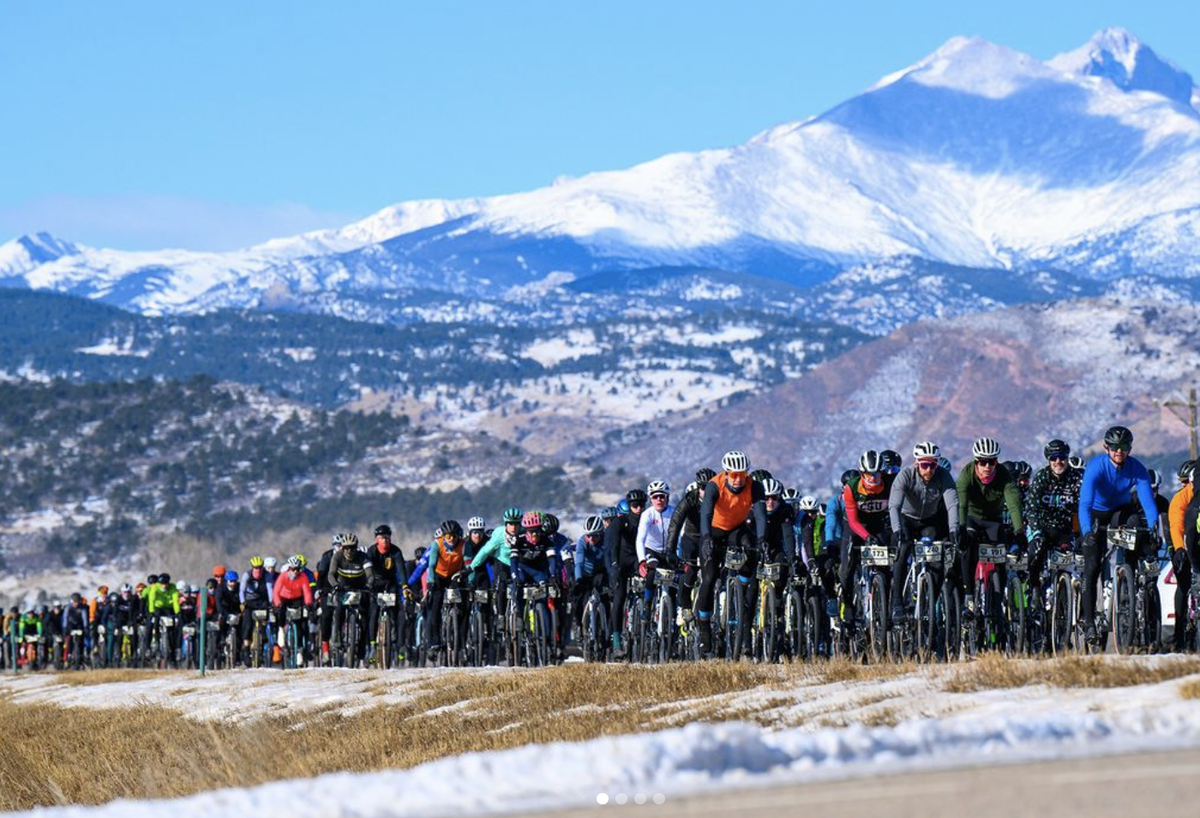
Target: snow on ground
pixel 941 730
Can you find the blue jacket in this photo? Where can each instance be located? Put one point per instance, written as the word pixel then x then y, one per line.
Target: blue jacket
pixel 590 560
pixel 422 564
pixel 835 515
pixel 1105 488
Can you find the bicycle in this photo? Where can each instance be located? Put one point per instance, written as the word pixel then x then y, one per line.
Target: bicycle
pixel 478 644
pixel 731 603
pixel 348 619
pixel 872 591
pixel 595 638
pixel 1137 608
pixel 633 627
pixel 765 628
pixel 385 656
pixel 294 633
pixel 533 629
pixel 452 599
pixel 663 627
pixel 74 649
pixel 924 637
pixel 260 647
pixel 1064 568
pixel 988 624
pixel 803 612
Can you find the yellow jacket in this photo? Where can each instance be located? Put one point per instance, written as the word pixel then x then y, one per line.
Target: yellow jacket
pixel 1179 504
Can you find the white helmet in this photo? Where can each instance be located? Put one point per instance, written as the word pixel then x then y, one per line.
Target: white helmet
pixel 808 503
pixel 870 462
pixel 593 524
pixel 293 562
pixel 985 449
pixel 735 461
pixel 269 563
pixel 476 524
pixel 658 487
pixel 926 449
pixel 772 487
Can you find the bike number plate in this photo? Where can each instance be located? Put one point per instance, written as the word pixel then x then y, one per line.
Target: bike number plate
pixel 928 552
pixel 769 571
pixel 876 555
pixel 386 599
pixel 453 595
pixel 995 554
pixel 1123 538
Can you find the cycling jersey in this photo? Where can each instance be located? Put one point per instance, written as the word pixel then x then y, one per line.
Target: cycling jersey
pixel 1107 488
pixel 916 499
pixel 724 509
pixel 781 532
pixel 866 510
pixel 351 571
pixel 495 548
pixel 685 521
pixel 987 502
pixel 288 589
pixel 1175 515
pixel 835 512
pixel 652 532
pixel 447 560
pixel 388 566
pixel 589 558
pixel 620 539
pixel 256 593
pixel 160 598
pixel 1053 500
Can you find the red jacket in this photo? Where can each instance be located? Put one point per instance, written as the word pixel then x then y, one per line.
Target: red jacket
pixel 289 588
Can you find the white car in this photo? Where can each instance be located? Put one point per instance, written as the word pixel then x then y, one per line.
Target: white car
pixel 1166 594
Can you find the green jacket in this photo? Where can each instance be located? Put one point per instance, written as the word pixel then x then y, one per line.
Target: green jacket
pixel 987 503
pixel 28 626
pixel 159 598
pixel 495 546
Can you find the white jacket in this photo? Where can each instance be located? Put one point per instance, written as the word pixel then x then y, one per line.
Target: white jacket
pixel 652 531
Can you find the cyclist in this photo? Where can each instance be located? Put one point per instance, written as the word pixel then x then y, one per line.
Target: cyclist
pixel 985 492
pixel 75 618
pixel 620 542
pixel 387 564
pixel 30 624
pixel 270 565
pixel 255 595
pixel 349 570
pixel 653 526
pixel 684 535
pixel 229 603
pixel 496 557
pixel 730 501
pixel 532 562
pixel 591 567
pixel 446 561
pixel 892 462
pixel 609 515
pixel 923 503
pixel 780 543
pixel 866 499
pixel 1180 563
pixel 291 590
pixel 477 536
pixel 808 527
pixel 1105 500
pixel 836 536
pixel 1051 508
pixel 163 599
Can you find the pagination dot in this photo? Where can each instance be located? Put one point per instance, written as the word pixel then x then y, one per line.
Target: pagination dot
pixel 659 798
pixel 622 798
pixel 602 798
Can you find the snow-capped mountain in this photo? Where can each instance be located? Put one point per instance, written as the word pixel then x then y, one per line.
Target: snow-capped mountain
pixel 976 156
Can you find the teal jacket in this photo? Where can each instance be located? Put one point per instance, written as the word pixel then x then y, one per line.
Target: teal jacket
pixel 494 547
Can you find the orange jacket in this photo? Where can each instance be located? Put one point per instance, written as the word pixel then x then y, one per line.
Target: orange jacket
pixel 731 509
pixel 1179 504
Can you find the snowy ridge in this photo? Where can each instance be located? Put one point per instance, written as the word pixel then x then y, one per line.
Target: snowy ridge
pixel 703 758
pixel 977 156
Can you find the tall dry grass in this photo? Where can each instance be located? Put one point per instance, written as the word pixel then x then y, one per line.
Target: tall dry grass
pixel 995 671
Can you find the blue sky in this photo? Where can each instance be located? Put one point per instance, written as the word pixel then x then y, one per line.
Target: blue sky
pixel 214 125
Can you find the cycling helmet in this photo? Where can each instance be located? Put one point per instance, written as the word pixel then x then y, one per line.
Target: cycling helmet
pixel 593 525
pixel 1056 448
pixel 184 589
pixel 1118 436
pixel 127 588
pixel 113 598
pixel 849 476
pixel 102 590
pixel 269 563
pixel 945 463
pixel 303 560
pixel 623 506
pixel 451 528
pixel 870 462
pixel 772 487
pixel 549 524
pixel 532 520
pixel 152 579
pixel 610 513
pixel 808 503
pixel 1186 470
pixel 231 576
pixel 891 460
pixel 1023 471
pixel 256 562
pixel 293 562
pixel 476 524
pixel 735 461
pixel 1075 462
pixel 165 579
pixel 1010 466
pixel 760 475
pixel 76 598
pixel 985 449
pixel 705 475
pixel 218 571
pixel 692 488
pixel 791 493
pixel 512 515
pixel 1155 479
pixel 383 531
pixel 636 496
pixel 926 449
pixel 347 540
pixel 658 487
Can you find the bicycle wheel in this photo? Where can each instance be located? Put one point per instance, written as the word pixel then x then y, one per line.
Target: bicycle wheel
pixel 770 626
pixel 877 624
pixel 924 622
pixel 816 627
pixel 665 628
pixel 475 638
pixel 950 640
pixel 793 625
pixel 993 614
pixel 734 611
pixel 1152 617
pixel 1016 604
pixel 1124 612
pixel 541 639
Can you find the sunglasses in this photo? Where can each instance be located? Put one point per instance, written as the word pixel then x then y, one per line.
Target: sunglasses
pixel 1057 458
pixel 660 497
pixel 987 462
pixel 927 464
pixel 738 475
pixel 1123 448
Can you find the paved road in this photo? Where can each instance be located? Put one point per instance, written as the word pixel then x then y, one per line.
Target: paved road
pixel 1152 784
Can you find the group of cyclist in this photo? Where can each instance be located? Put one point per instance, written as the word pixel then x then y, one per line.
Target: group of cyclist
pixel 481 595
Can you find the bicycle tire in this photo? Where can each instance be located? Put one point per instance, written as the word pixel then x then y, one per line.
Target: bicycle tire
pixel 924 622
pixel 1124 613
pixel 877 625
pixel 951 623
pixel 1016 603
pixel 1152 617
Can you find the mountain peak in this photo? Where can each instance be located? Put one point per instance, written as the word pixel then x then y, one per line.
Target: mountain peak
pixel 30 251
pixel 1118 56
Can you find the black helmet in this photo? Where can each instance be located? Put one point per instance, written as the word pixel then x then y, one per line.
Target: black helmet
pixel 610 513
pixel 636 496
pixel 1118 436
pixel 419 552
pixel 165 579
pixel 76 598
pixel 1186 470
pixel 549 524
pixel 891 459
pixel 705 475
pixel 1056 448
pixel 152 579
pixel 850 475
pixel 384 530
pixel 451 528
pixel 1022 470
pixel 760 475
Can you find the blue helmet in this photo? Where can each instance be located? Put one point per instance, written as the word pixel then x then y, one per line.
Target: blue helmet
pixel 623 506
pixel 231 576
